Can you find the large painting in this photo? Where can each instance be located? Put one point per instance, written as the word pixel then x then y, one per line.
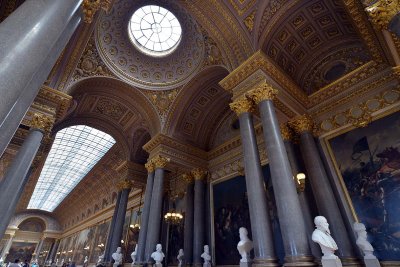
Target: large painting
pixel 21 250
pixel 132 236
pixel 231 211
pixel 99 241
pixel 368 160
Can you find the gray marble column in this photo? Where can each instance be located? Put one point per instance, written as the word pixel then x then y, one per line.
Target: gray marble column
pixel 321 187
pixel 198 228
pixel 33 37
pixel 125 187
pixel 264 253
pixel 7 247
pixel 16 174
pixel 53 251
pixel 189 220
pixel 294 235
pixel 107 255
pixel 39 248
pixel 145 213
pixel 155 216
pixel 304 202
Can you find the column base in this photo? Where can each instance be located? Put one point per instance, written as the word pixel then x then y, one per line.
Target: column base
pixel 246 264
pixel 352 262
pixel 331 262
pixel 371 262
pixel 270 262
pixel 300 261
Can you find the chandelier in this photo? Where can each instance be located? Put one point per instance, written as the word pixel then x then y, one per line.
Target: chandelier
pixel 135 226
pixel 172 216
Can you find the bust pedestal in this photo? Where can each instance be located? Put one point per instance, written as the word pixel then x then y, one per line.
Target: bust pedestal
pixel 331 262
pixel 371 262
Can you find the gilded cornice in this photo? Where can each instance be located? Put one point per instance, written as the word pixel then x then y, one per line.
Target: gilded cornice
pixel 357 14
pixel 382 12
pixel 261 92
pixel 242 105
pixel 131 171
pixel 42 122
pixel 301 124
pixel 259 61
pixel 199 174
pixel 160 161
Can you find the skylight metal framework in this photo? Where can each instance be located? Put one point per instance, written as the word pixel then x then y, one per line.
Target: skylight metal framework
pixel 75 151
pixel 155 30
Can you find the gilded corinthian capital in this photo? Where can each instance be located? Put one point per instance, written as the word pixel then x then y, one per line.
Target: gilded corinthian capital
pixel 286 132
pixel 383 11
pixel 262 92
pixel 188 177
pixel 42 122
pixel 199 174
pixel 149 166
pixel 241 105
pixel 303 123
pixel 124 184
pixel 160 161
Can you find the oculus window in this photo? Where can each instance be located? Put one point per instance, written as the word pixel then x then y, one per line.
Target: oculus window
pixel 154 30
pixel 75 151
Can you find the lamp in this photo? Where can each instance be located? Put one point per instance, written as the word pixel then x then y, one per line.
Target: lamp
pixel 172 216
pixel 301 181
pixel 136 224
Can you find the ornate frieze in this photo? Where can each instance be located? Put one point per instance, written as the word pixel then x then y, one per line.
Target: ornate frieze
pixel 110 108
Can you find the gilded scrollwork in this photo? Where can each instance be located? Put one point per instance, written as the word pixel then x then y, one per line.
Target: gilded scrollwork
pixel 303 123
pixel 160 161
pixel 262 92
pixel 382 12
pixel 42 122
pixel 199 174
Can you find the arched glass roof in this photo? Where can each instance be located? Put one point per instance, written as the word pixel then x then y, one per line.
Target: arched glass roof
pixel 154 30
pixel 75 151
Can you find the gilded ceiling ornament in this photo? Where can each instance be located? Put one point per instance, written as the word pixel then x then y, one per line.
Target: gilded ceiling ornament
pixel 383 11
pixel 42 122
pixel 262 92
pixel 149 166
pixel 199 174
pixel 124 184
pixel 241 105
pixel 90 7
pixel 303 123
pixel 286 132
pixel 188 178
pixel 160 161
pixel 249 21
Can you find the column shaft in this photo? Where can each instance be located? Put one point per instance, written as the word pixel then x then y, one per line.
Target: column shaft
pixel 189 221
pixel 33 37
pixel 145 218
pixel 305 207
pixel 15 177
pixel 264 254
pixel 198 227
pixel 53 251
pixel 294 234
pixel 39 248
pixel 153 232
pixel 107 255
pixel 324 196
pixel 119 221
pixel 7 248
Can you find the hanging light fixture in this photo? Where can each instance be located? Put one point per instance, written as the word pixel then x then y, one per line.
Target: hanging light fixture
pixel 136 224
pixel 173 216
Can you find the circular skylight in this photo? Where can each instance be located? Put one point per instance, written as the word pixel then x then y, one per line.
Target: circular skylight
pixel 155 30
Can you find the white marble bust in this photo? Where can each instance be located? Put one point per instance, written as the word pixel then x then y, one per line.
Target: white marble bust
pixel 362 241
pixel 117 256
pixel 206 256
pixel 101 258
pixel 133 255
pixel 180 257
pixel 158 255
pixel 245 245
pixel 322 236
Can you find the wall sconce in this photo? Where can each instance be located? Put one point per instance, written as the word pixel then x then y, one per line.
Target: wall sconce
pixel 301 181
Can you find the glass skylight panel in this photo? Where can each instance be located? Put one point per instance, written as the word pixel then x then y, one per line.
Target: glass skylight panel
pixel 155 30
pixel 75 151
